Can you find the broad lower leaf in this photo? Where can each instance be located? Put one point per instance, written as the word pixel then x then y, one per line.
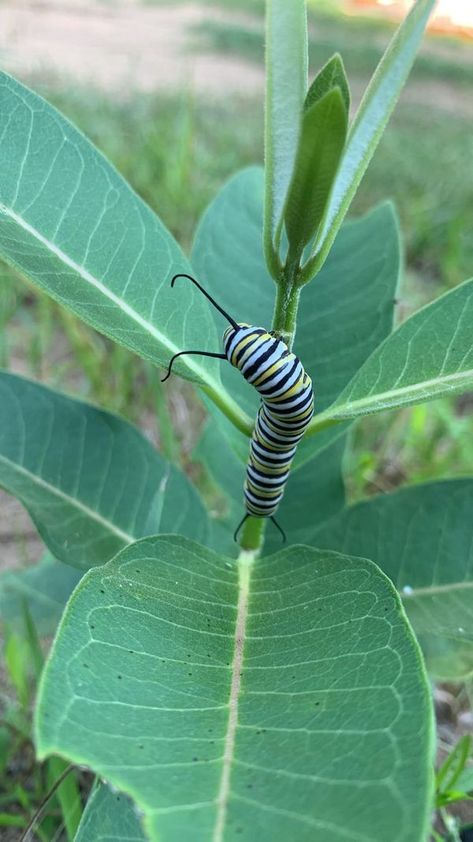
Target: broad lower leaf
pixel 422 538
pixel 286 87
pixel 44 589
pixel 331 76
pixel 90 481
pixel 313 494
pixel 321 141
pixel 109 816
pixel 368 126
pixel 429 356
pixel 71 224
pixel 342 318
pixel 284 699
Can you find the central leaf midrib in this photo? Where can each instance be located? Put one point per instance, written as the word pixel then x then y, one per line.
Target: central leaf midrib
pixel 245 563
pixel 107 293
pixel 71 501
pixel 347 409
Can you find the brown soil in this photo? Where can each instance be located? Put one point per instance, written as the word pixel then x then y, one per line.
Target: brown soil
pixel 119 47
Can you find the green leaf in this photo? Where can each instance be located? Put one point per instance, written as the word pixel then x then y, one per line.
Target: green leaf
pixel 331 76
pixel 74 227
pixel 313 495
pixel 422 538
pixel 109 817
pixel 90 481
pixel 45 588
pixel 372 116
pixel 342 318
pixel 321 142
pixel 429 356
pixel 281 700
pixel 286 86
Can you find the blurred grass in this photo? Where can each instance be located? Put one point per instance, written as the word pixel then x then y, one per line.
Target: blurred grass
pixel 176 151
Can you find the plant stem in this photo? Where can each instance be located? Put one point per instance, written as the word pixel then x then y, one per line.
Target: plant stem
pixel 287 303
pixel 230 408
pixel 321 422
pixel 252 536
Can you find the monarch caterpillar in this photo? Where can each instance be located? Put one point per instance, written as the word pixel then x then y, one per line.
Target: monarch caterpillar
pixel 287 406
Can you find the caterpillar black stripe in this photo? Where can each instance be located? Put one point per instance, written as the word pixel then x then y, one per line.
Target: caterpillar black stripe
pixel 287 406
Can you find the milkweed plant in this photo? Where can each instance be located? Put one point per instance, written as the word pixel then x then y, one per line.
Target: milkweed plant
pixel 259 690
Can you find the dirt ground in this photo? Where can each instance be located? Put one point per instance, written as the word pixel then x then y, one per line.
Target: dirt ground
pixel 119 47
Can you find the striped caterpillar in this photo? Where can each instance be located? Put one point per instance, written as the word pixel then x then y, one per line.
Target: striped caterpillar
pixel 287 406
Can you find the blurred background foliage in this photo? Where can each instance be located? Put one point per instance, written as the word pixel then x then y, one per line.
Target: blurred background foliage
pixel 177 146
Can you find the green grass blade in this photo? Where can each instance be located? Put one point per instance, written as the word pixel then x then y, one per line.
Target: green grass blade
pixel 286 87
pixel 372 116
pixel 67 794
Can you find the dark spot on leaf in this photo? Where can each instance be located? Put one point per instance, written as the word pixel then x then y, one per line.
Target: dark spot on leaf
pixel 141 746
pixel 119 676
pixel 86 666
pixel 92 626
pixel 118 798
pixel 137 571
pixel 209 730
pixel 316 703
pixel 101 590
pixel 195 759
pixel 249 786
pixel 131 652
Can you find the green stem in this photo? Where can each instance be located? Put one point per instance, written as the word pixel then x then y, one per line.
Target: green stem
pixel 230 408
pixel 252 535
pixel 321 422
pixel 287 303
